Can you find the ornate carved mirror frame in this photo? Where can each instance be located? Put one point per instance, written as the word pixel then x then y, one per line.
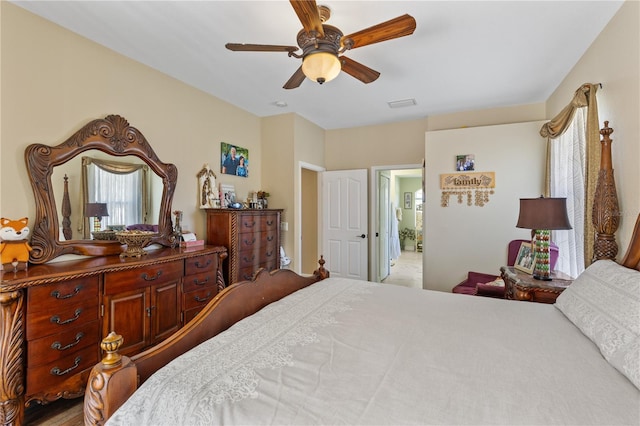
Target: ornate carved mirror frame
pixel 112 135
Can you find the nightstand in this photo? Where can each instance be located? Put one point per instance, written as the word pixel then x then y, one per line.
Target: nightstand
pixel 522 286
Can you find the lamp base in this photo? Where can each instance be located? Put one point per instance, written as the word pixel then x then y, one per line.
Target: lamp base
pixel 542 277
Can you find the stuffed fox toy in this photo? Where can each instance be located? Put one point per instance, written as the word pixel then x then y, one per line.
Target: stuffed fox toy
pixel 14 247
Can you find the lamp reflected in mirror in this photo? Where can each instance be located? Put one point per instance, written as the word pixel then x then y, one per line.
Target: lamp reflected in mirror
pixel 97 211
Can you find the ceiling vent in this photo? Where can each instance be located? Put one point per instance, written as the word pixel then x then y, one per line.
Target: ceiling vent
pixel 402 103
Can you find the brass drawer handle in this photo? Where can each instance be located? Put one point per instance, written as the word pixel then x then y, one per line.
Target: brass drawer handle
pixel 250 243
pixel 269 253
pixel 202 299
pixel 247 277
pixel 148 278
pixel 203 265
pixel 56 319
pixel 57 372
pixel 246 259
pixel 270 238
pixel 250 225
pixel 58 345
pixel 198 282
pixel 269 222
pixel 56 293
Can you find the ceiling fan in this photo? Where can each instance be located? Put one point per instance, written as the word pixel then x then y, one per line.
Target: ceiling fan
pixel 323 45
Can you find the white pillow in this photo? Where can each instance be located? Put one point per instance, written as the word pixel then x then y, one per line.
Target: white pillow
pixel 604 303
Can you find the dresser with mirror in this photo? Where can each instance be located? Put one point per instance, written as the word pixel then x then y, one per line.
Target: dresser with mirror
pixel 77 288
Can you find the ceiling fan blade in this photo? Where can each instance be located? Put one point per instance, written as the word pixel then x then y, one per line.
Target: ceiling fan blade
pixel 398 27
pixel 296 79
pixel 359 71
pixel 307 11
pixel 242 47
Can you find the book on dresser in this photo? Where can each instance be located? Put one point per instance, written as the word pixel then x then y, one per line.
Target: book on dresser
pixel 252 239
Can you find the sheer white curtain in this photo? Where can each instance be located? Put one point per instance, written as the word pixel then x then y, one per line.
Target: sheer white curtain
pixel 123 194
pixel 567 179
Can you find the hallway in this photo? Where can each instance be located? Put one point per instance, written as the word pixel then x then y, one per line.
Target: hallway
pixel 407 270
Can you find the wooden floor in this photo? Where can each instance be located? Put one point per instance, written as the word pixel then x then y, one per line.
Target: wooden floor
pixel 64 412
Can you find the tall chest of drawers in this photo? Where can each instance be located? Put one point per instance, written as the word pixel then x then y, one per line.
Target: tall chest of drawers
pixel 252 239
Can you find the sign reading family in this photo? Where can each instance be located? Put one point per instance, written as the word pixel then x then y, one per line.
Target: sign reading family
pixel 234 160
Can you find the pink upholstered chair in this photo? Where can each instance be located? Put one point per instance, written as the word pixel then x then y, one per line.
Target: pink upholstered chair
pixel 476 282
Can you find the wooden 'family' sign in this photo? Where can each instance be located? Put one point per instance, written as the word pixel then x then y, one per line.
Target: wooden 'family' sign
pixel 478 185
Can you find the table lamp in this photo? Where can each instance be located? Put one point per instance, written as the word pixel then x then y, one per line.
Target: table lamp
pixel 542 215
pixel 97 211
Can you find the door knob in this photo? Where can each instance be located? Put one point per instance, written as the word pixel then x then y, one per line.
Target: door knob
pixel 361 236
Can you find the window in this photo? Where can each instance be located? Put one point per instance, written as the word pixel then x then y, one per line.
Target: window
pixel 567 179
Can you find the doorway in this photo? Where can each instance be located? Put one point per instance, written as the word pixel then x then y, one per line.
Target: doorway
pixel 397 198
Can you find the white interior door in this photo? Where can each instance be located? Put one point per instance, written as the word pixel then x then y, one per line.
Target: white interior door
pixel 345 225
pixel 384 261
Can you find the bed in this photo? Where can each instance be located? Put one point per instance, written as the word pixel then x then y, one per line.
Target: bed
pixel 287 349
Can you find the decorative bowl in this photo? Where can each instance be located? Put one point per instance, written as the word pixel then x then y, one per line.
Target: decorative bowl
pixel 104 235
pixel 135 241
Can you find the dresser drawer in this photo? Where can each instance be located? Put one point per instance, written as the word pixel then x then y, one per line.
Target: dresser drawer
pixel 257 223
pixel 259 239
pixel 246 274
pixel 115 282
pixel 249 258
pixel 199 298
pixel 195 265
pixel 53 373
pixel 198 281
pixel 57 346
pixel 46 323
pixel 52 297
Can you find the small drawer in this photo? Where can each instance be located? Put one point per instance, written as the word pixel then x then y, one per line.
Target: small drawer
pixel 57 346
pixel 48 375
pixel 59 295
pixel 257 223
pixel 246 274
pixel 249 258
pixel 197 298
pixel 115 282
pixel 195 265
pixel 199 281
pixel 47 323
pixel 258 239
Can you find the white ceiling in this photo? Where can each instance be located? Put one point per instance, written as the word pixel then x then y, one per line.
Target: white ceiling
pixel 464 55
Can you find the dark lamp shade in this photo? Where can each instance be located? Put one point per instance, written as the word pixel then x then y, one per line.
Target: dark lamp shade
pixel 95 210
pixel 543 213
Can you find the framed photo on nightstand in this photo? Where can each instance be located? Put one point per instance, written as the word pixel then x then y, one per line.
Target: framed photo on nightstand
pixel 525 260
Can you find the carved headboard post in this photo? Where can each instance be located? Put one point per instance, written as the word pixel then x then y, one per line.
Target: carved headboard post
pixel 606 212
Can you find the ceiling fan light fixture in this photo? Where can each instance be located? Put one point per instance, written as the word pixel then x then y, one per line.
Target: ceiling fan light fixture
pixel 321 66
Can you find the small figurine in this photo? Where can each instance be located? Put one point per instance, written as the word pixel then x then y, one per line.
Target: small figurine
pixel 207 184
pixel 14 247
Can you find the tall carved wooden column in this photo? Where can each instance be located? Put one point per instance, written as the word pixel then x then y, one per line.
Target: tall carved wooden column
pixel 606 212
pixel 11 358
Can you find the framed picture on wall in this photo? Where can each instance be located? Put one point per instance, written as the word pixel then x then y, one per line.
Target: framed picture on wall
pixel 234 160
pixel 525 260
pixel 408 200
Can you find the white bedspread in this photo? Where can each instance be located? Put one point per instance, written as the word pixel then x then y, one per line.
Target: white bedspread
pixel 351 352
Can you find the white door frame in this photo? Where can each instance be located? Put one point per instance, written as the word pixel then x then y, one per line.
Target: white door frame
pixel 373 209
pixel 297 232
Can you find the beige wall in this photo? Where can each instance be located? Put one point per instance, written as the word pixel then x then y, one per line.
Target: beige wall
pixel 53 82
pixel 462 238
pixel 614 60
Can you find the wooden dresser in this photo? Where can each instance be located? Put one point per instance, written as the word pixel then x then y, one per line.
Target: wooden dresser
pixel 55 315
pixel 252 238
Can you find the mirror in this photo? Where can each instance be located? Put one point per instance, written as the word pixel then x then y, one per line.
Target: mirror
pixel 113 136
pixel 71 182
